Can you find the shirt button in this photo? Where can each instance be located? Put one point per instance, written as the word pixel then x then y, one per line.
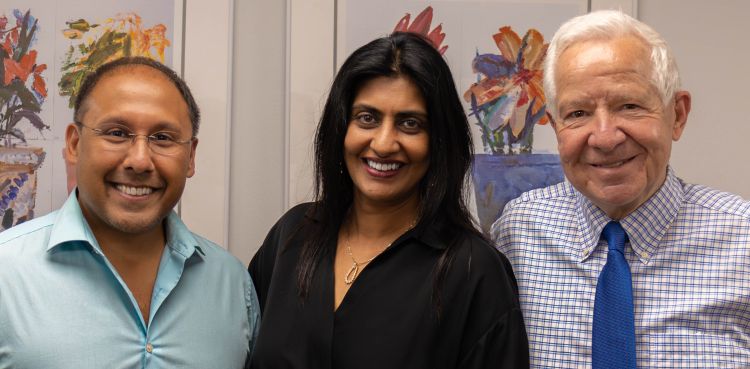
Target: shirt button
pixel 149 348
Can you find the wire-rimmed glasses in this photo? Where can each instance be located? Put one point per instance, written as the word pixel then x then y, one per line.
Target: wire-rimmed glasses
pixel 118 138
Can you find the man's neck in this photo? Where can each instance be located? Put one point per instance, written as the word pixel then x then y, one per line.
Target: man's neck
pixel 131 248
pixel 136 258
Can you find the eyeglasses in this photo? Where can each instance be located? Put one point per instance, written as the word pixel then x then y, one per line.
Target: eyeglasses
pixel 118 138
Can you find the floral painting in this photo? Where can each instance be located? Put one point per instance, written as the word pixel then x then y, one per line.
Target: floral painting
pixel 96 44
pixel 508 98
pixel 22 93
pixel 508 102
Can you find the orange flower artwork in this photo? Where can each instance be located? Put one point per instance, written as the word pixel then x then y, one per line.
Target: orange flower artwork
pixel 23 89
pixel 508 97
pixel 22 93
pixel 97 44
pixel 21 70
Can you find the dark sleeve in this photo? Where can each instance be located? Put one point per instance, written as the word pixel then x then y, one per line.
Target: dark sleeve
pixel 503 343
pixel 262 265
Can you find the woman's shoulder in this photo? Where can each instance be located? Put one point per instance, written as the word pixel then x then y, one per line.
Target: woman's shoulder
pixel 483 263
pixel 290 221
pixel 288 224
pixel 278 239
pixel 482 252
pixel 483 294
pixel 298 212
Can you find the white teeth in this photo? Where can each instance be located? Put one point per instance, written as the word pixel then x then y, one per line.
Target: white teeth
pixel 134 191
pixel 383 167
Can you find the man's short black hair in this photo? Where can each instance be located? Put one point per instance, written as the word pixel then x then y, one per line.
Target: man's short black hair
pixel 93 78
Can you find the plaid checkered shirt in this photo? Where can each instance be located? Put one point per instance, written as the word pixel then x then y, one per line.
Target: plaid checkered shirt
pixel 689 254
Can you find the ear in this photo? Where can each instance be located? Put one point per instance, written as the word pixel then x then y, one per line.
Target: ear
pixel 191 162
pixel 72 139
pixel 682 101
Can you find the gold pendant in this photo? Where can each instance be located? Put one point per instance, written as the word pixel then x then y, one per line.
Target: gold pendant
pixel 351 275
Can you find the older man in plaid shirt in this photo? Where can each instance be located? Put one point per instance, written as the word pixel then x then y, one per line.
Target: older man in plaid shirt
pixel 624 265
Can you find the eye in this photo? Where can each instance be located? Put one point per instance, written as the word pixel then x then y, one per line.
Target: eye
pixel 411 125
pixel 630 107
pixel 576 114
pixel 162 137
pixel 365 118
pixel 116 133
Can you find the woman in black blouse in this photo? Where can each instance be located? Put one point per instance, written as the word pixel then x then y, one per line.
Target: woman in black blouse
pixel 386 269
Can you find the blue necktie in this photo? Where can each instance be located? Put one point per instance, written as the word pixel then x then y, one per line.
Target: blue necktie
pixel 613 331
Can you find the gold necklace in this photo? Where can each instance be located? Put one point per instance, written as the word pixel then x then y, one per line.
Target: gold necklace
pixel 354 270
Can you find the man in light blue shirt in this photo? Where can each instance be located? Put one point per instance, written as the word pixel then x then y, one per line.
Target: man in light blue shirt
pixel 624 264
pixel 114 279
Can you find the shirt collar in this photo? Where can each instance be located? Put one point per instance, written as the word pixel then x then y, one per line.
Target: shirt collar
pixel 180 239
pixel 71 226
pixel 646 226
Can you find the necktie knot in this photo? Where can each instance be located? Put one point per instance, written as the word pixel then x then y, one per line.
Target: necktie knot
pixel 615 236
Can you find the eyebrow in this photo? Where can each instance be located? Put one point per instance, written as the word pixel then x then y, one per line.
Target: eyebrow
pixel 581 99
pixel 401 114
pixel 158 126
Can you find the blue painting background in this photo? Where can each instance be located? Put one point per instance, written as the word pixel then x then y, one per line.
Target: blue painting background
pixel 501 178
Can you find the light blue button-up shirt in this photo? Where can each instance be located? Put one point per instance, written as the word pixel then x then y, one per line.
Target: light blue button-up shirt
pixel 63 304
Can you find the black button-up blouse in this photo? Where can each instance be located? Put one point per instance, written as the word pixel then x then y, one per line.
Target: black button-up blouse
pixel 388 318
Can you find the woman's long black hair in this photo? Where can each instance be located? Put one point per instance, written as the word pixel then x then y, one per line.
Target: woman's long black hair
pixel 442 190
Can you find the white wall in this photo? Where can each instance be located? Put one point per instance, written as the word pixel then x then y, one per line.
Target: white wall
pixel 208 71
pixel 235 63
pixel 258 154
pixel 311 73
pixel 709 40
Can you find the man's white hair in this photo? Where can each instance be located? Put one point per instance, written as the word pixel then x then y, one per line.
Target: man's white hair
pixel 608 25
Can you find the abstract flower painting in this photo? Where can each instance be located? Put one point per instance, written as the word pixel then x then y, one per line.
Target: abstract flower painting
pixel 23 91
pixel 508 98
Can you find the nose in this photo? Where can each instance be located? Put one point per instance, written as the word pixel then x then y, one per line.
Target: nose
pixel 139 156
pixel 606 135
pixel 385 139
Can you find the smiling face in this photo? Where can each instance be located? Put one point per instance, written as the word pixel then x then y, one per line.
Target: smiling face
pixel 132 190
pixel 387 142
pixel 614 132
